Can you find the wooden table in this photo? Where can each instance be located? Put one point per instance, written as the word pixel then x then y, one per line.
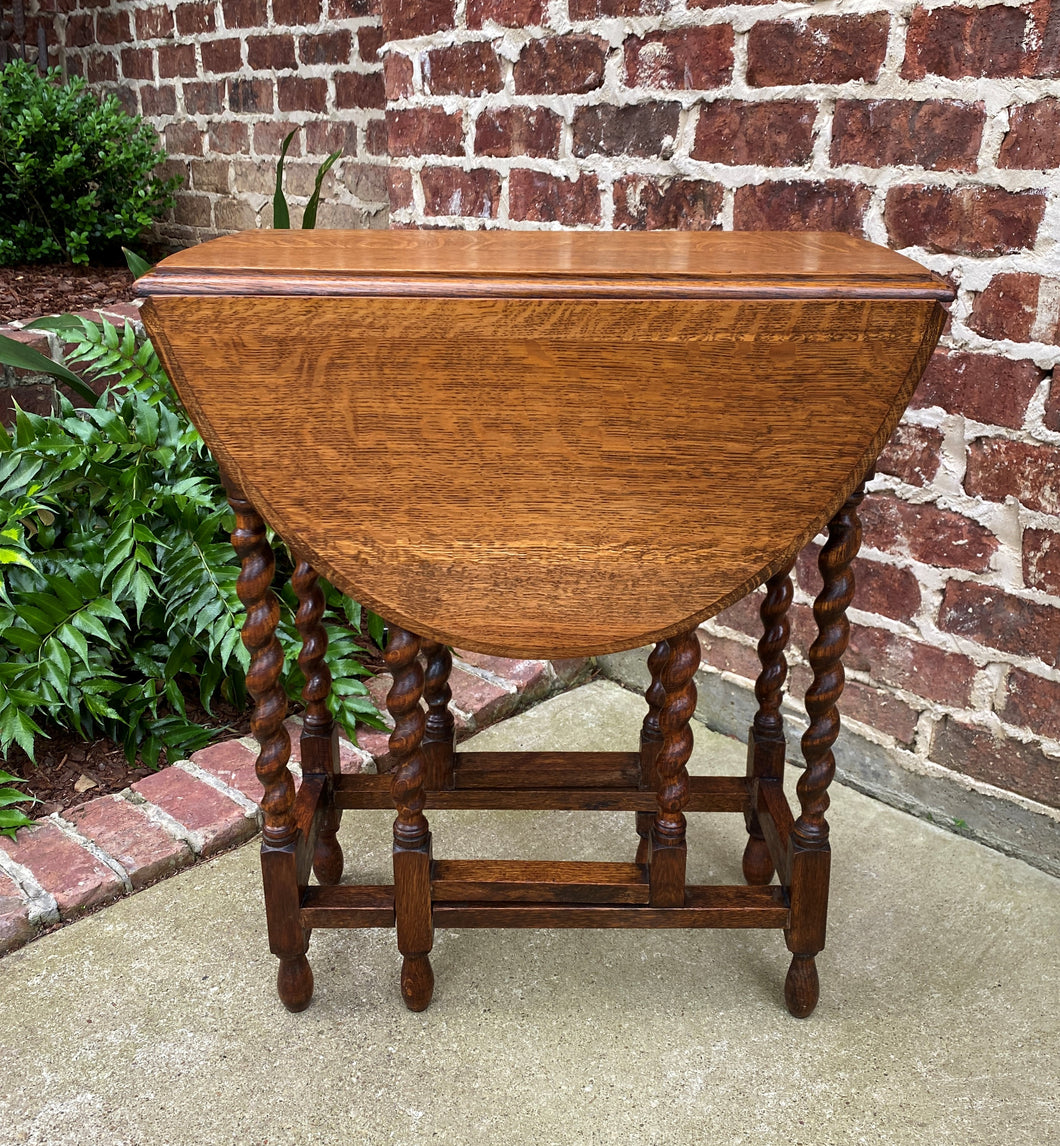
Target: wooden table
pixel 543 444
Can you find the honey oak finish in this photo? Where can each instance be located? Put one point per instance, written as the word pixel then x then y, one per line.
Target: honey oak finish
pixel 543 444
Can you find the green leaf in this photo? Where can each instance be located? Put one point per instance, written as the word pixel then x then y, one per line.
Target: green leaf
pixel 309 216
pixel 76 641
pixel 24 357
pixel 13 557
pixel 281 215
pixel 138 266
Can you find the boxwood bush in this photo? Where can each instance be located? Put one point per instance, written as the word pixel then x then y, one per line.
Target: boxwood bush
pixel 77 177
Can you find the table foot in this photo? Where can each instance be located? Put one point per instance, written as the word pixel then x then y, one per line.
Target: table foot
pixel 417 982
pixel 802 987
pixel 294 982
pixel 758 866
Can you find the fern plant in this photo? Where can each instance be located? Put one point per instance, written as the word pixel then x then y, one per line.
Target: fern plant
pixel 118 580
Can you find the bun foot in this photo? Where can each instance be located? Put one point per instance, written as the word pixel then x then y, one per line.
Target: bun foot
pixel 327 860
pixel 294 982
pixel 757 863
pixel 802 987
pixel 417 982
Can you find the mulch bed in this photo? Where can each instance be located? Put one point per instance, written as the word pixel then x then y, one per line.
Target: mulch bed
pixel 27 292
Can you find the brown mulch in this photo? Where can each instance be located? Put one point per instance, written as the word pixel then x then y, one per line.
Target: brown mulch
pixel 71 770
pixel 27 292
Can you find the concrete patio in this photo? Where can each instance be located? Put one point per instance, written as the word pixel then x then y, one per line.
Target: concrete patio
pixel 155 1021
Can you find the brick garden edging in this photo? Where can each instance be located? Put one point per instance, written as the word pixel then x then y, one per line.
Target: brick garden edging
pixel 94 853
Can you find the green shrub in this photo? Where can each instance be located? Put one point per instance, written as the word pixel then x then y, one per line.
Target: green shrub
pixel 76 178
pixel 118 580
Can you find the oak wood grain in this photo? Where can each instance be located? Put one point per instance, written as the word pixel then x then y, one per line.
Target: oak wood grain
pixel 538 881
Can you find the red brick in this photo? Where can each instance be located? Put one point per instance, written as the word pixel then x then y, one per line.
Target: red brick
pixel 571 670
pixel 997 760
pixel 537 196
pixel 291 13
pixel 331 48
pixel 728 655
pixel 926 533
pixel 269 137
pixel 221 55
pixel 323 137
pixel 269 53
pixel 1001 620
pixel 154 23
pixel 351 9
pixel 1041 560
pixel 102 68
pixel 450 191
pixel 232 762
pixel 219 821
pixel 1007 308
pixel 884 589
pixel 157 101
pixel 774 134
pixel 1032 141
pixel 966 220
pixel 183 138
pixel 138 64
pixel 211 175
pixel 192 210
pixel 923 670
pixel 482 700
pixel 146 851
pixel 424 131
pixel 985 387
pixel 941 135
pixel 1032 702
pixel 404 19
pixel 912 454
pixel 195 18
pixel 833 205
pixel 399 186
pixel 369 41
pixel 247 96
pixel 650 203
pixel 359 89
pixel 958 41
pixel 648 129
pixel 726 3
pixel 247 14
pixel 530 678
pixel 377 137
pixel 567 64
pixel 39 399
pixel 591 9
pixel 176 60
pixel 229 137
pixel 1046 60
pixel 518 131
pixel 112 27
pixel 507 13
pixel 879 709
pixel 397 76
pixel 1000 468
pixel 15 925
pixel 76 879
pixel 698 58
pixel 296 93
pixel 203 98
pixel 462 69
pixel 80 30
pixel 821 50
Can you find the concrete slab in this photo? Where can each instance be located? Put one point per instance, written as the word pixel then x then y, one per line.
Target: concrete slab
pixel 156 1020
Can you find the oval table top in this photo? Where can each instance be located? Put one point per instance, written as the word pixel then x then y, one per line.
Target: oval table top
pixel 544 443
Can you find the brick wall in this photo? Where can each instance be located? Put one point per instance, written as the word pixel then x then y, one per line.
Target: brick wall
pixel 929 127
pixel 223 81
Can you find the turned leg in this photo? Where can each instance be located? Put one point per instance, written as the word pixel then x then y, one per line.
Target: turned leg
pixel 287 938
pixel 668 849
pixel 439 737
pixel 650 740
pixel 320 737
pixel 810 851
pixel 412 838
pixel 765 741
